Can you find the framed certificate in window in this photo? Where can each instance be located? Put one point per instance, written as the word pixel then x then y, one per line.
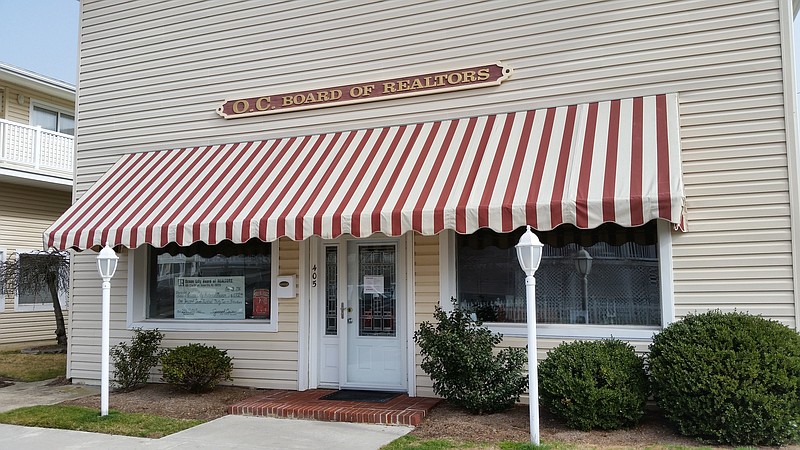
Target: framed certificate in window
pixel 261 303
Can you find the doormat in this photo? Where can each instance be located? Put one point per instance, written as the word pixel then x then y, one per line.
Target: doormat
pixel 361 396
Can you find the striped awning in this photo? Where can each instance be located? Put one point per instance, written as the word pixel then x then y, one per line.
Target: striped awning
pixel 613 161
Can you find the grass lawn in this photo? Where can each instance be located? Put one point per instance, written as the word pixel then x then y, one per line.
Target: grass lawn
pixel 86 419
pixel 24 367
pixel 414 443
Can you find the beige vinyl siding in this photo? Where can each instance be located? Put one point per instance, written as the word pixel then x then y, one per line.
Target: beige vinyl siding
pixel 152 74
pixel 21 113
pixel 261 359
pixel 563 52
pixel 25 212
pixel 16 111
pixel 426 297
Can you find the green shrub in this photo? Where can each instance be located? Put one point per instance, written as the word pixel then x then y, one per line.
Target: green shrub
pixel 196 367
pixel 730 378
pixel 458 354
pixel 132 362
pixel 594 384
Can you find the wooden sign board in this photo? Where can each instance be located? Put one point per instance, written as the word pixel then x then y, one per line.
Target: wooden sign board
pixel 430 83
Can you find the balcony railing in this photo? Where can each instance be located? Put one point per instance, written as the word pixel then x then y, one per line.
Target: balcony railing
pixel 44 151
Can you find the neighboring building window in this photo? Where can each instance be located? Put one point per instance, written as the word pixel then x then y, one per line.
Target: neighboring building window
pixel 621 288
pixel 40 298
pixel 225 282
pixel 53 120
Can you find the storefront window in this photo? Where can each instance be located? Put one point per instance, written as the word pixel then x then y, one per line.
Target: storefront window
pixel 205 282
pixel 621 288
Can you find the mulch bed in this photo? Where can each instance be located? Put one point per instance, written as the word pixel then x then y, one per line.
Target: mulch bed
pixel 165 400
pixel 449 422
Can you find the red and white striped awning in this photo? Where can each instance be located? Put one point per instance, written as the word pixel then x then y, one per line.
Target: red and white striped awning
pixel 613 161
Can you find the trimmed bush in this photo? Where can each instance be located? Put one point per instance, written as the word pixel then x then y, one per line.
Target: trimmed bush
pixel 730 378
pixel 132 362
pixel 458 354
pixel 594 384
pixel 196 367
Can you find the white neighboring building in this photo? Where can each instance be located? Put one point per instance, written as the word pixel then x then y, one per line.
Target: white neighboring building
pixel 37 128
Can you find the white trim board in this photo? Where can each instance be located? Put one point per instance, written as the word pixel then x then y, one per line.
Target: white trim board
pixel 303 341
pixel 790 119
pixel 411 301
pixel 3 294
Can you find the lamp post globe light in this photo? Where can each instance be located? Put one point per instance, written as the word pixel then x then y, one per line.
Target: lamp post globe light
pixel 106 266
pixel 583 264
pixel 529 253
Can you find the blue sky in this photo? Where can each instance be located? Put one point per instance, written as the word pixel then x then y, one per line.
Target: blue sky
pixel 42 36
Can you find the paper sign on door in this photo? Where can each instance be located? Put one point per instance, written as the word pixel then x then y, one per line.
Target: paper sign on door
pixel 373 284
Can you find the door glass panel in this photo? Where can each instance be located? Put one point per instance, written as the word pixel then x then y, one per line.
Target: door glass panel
pixel 331 290
pixel 377 302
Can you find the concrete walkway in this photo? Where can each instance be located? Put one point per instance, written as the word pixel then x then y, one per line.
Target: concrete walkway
pixel 225 433
pixel 228 432
pixel 39 393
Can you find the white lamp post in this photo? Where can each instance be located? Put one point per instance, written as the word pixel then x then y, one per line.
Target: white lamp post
pixel 583 264
pixel 529 253
pixel 106 265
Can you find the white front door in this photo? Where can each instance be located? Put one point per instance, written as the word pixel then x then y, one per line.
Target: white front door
pixel 374 338
pixel 362 308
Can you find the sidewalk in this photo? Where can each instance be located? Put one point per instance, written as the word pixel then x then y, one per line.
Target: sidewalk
pixel 226 433
pixel 36 393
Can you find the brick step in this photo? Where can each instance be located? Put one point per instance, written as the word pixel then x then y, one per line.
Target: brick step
pixel 401 410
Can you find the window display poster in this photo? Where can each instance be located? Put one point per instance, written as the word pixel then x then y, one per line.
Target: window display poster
pixel 261 303
pixel 219 298
pixel 373 284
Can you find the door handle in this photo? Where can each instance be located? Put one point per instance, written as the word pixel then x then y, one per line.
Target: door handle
pixel 345 309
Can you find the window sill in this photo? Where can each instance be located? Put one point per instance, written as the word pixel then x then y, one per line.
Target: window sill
pixel 39 307
pixel 205 325
pixel 567 331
